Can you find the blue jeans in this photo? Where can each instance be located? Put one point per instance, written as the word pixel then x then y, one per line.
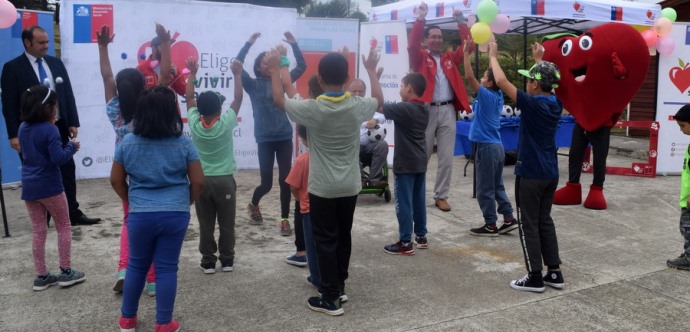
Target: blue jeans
pixel 312 260
pixel 490 190
pixel 157 237
pixel 410 204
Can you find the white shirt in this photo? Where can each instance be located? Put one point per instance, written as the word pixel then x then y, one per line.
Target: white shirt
pixel 363 138
pixel 442 91
pixel 34 65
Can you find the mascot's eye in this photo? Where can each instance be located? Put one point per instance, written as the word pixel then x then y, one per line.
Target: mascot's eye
pixel 567 47
pixel 586 43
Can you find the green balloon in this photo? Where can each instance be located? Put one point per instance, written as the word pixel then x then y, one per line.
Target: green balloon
pixel 669 13
pixel 487 11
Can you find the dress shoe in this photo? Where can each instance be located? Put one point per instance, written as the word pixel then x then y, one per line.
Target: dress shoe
pixel 442 205
pixel 84 220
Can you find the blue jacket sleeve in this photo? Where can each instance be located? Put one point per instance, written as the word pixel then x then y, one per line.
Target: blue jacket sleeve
pixel 301 66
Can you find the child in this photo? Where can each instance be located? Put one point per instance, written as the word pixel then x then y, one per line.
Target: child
pixel 43 153
pixel 165 177
pixel 333 121
pixel 212 136
pixel 536 169
pixel 490 156
pixel 411 118
pixel 298 181
pixel 683 261
pixel 122 93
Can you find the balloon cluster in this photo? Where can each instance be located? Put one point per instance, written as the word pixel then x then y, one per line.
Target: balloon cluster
pixel 658 35
pixel 490 21
pixel 8 14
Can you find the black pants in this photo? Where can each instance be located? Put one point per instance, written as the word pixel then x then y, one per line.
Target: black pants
pixel 280 151
pixel 600 140
pixel 332 222
pixel 537 232
pixel 299 229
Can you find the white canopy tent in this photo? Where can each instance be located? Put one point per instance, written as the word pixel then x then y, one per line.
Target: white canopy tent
pixel 528 16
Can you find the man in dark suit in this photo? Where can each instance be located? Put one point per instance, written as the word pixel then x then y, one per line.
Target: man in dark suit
pixel 32 68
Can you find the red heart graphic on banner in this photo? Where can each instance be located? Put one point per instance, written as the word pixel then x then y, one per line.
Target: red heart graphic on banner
pixel 649 14
pixel 576 6
pixel 680 77
pixel 373 42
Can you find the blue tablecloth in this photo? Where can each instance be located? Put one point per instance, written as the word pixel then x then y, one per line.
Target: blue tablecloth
pixel 509 134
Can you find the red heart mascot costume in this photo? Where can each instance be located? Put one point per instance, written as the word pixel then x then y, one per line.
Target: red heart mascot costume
pixel 601 71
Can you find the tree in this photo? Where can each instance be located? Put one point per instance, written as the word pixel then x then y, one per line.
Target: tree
pixel 335 9
pixel 297 4
pixel 375 3
pixel 34 4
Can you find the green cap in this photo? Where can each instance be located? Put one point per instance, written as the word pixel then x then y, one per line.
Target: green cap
pixel 544 72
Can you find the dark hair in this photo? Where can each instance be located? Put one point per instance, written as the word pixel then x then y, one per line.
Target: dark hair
pixel 130 84
pixel 157 115
pixel 210 103
pixel 35 107
pixel 545 86
pixel 314 87
pixel 416 81
pixel 333 69
pixel 492 79
pixel 683 114
pixel 301 131
pixel 257 64
pixel 28 33
pixel 429 28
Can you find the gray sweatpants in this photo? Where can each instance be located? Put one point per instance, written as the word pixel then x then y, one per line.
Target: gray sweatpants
pixel 441 130
pixel 217 201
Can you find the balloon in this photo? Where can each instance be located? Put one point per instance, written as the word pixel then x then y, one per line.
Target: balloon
pixel 640 28
pixel 8 14
pixel 186 71
pixel 669 13
pixel 153 64
pixel 662 26
pixel 481 32
pixel 487 10
pixel 649 37
pixel 501 24
pixel 665 45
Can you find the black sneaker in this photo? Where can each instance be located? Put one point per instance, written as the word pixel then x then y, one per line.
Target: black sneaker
pixel 400 248
pixel 680 263
pixel 554 279
pixel 484 231
pixel 226 266
pixel 42 283
pixel 529 283
pixel 70 277
pixel 421 242
pixel 208 268
pixel 318 304
pixel 508 226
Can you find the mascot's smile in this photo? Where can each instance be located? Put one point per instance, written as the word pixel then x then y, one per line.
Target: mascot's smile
pixel 579 74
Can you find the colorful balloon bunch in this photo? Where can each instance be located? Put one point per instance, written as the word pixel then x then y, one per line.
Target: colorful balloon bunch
pixel 489 21
pixel 658 35
pixel 8 14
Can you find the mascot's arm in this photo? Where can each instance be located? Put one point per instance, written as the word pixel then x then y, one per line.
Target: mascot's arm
pixel 619 70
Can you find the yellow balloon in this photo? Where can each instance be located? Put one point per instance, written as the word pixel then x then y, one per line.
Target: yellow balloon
pixel 481 32
pixel 639 27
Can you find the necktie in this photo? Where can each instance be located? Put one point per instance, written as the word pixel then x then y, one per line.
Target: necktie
pixel 42 75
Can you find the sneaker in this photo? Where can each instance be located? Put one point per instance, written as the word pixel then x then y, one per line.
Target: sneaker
pixel 343 297
pixel 421 242
pixel 71 277
pixel 485 231
pixel 226 266
pixel 173 326
pixel 529 283
pixel 554 279
pixel 254 214
pixel 43 283
pixel 120 281
pixel 127 324
pixel 295 260
pixel 208 268
pixel 285 229
pixel 681 263
pixel 151 288
pixel 399 248
pixel 508 226
pixel 317 303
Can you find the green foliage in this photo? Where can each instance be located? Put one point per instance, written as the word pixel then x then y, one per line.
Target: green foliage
pixel 375 3
pixel 34 4
pixel 297 4
pixel 335 9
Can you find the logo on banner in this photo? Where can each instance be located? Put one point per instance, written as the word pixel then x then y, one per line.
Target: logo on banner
pixel 579 10
pixel 391 44
pixel 82 11
pixel 24 20
pixel 440 9
pixel 88 19
pixel 467 3
pixel 616 13
pixel 538 7
pixel 680 76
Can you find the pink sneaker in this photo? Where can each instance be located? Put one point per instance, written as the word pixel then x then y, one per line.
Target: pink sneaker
pixel 173 326
pixel 128 324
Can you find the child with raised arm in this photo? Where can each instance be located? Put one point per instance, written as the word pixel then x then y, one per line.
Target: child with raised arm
pixel 212 136
pixel 490 156
pixel 42 189
pixel 536 169
pixel 333 121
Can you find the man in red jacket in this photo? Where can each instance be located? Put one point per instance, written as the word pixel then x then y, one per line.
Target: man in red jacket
pixel 151 72
pixel 445 92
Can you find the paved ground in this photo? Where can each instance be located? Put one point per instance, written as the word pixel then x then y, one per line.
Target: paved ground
pixel 613 262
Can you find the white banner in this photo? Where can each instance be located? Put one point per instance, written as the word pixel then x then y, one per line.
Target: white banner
pixel 390 40
pixel 214 32
pixel 672 93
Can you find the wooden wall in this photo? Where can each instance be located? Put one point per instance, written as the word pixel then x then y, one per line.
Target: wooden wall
pixel 643 105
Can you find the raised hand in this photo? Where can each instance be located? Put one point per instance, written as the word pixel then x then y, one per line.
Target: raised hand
pixel 537 52
pixel 236 67
pixel 282 50
pixel 253 37
pixel 468 46
pixel 371 61
pixel 458 16
pixel 289 38
pixel 422 10
pixel 163 34
pixel 192 65
pixel 104 38
pixel 273 60
pixel 345 52
pixel 493 49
